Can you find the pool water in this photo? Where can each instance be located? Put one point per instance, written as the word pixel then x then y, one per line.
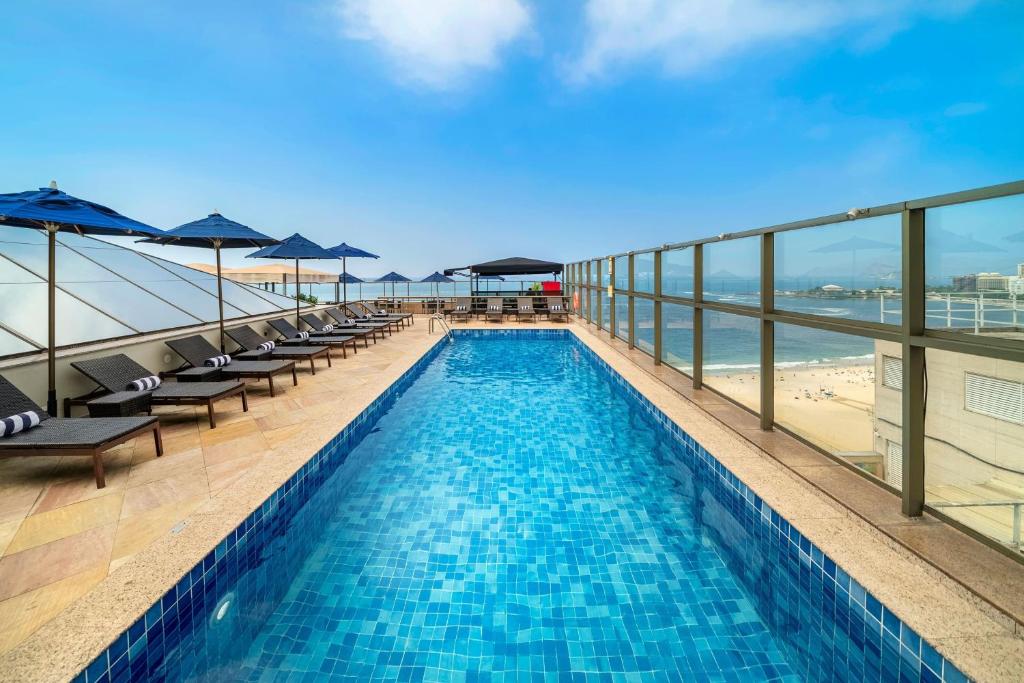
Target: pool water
pixel 511 510
pixel 514 517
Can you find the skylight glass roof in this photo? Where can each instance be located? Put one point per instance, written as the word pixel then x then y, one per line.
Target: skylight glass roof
pixel 105 290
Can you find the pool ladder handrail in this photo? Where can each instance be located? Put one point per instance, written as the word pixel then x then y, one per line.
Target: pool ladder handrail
pixel 444 326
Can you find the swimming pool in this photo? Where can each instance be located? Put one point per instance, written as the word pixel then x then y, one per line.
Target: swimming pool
pixel 512 510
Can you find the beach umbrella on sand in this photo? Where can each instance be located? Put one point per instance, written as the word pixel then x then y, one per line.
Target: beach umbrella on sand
pixel 214 232
pixel 392 277
pixel 344 251
pixel 295 247
pixel 54 211
pixel 853 245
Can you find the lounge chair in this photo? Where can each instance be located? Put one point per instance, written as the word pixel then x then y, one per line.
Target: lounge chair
pixel 60 436
pixel 250 340
pixel 380 313
pixel 291 336
pixel 364 315
pixel 357 327
pixel 114 373
pixel 556 309
pixel 317 326
pixel 494 309
pixel 463 309
pixel 196 349
pixel 524 307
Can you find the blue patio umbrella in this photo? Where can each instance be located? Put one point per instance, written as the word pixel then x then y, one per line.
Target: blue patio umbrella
pixel 392 277
pixel 349 279
pixel 214 232
pixel 345 251
pixel 54 211
pixel 295 247
pixel 437 278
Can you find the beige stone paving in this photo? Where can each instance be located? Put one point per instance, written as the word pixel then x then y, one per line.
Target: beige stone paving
pixel 79 565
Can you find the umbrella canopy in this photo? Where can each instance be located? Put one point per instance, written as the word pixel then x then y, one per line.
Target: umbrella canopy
pixel 54 211
pixel 345 252
pixel 392 277
pixel 295 247
pixel 516 265
pixel 436 277
pixel 214 232
pixel 349 278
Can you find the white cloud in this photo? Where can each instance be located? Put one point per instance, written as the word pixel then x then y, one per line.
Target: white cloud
pixel 686 36
pixel 965 109
pixel 436 43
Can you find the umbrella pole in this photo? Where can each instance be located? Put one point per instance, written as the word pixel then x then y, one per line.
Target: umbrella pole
pixel 220 294
pixel 51 362
pixel 297 324
pixel 344 282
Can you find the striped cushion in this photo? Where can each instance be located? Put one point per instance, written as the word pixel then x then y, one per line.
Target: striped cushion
pixel 327 328
pixel 266 346
pixel 303 336
pixel 350 321
pixel 144 384
pixel 217 361
pixel 18 423
pixel 460 307
pixel 556 307
pixel 492 307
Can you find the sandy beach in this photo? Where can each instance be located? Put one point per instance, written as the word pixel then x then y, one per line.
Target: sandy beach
pixel 842 395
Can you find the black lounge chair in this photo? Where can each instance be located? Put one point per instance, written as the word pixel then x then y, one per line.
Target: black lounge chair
pixel 463 309
pixel 60 436
pixel 495 312
pixel 196 349
pixel 380 313
pixel 250 340
pixel 360 327
pixel 317 325
pixel 114 373
pixel 556 309
pixel 291 336
pixel 524 307
pixel 364 315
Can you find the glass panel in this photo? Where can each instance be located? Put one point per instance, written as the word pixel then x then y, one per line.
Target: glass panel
pixel 9 344
pixel 601 268
pixel 677 273
pixel 847 270
pixel 677 336
pixel 825 391
pixel 131 305
pixel 622 272
pixel 974 267
pixel 643 324
pixel 643 272
pixel 621 316
pixel 974 440
pixel 243 299
pixel 732 352
pixel 732 271
pixel 592 308
pixel 23 308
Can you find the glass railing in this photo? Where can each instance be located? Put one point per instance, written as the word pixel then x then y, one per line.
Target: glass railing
pixel 891 338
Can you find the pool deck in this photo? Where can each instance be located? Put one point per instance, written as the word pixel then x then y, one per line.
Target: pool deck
pixel 79 565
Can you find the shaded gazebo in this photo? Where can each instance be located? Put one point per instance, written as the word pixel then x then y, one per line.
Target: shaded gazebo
pixel 517 265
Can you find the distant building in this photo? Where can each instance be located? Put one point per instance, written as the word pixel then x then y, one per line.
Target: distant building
pixel 993 282
pixel 965 283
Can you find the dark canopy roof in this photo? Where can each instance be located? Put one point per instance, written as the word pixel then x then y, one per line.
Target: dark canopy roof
pixel 516 265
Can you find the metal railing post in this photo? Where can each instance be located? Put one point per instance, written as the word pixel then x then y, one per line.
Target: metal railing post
pixel 657 307
pixel 767 331
pixel 698 316
pixel 630 305
pixel 913 396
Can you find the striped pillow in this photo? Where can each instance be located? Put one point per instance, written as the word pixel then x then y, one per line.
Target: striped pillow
pixel 327 328
pixel 144 384
pixel 217 361
pixel 556 307
pixel 460 307
pixel 266 346
pixel 494 307
pixel 18 423
pixel 350 321
pixel 303 336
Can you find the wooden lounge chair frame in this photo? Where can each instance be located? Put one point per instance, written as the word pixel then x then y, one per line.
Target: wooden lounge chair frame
pixel 196 349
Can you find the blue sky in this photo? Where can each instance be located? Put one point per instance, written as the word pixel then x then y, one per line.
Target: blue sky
pixel 445 132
